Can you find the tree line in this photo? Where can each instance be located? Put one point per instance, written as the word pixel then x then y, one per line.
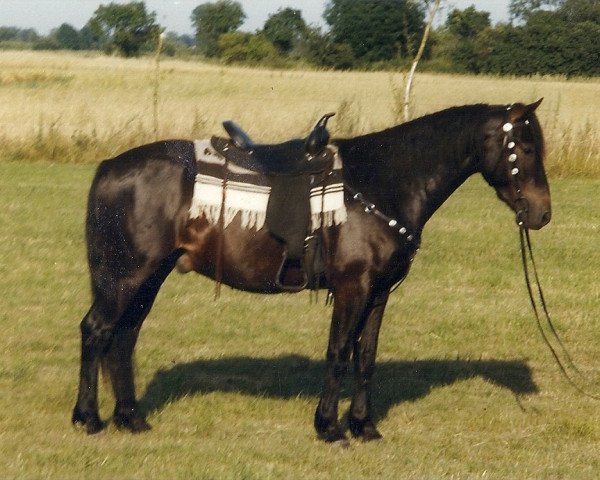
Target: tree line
pixel 543 36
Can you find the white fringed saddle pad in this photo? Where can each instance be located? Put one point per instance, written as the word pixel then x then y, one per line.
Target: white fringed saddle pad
pixel 247 193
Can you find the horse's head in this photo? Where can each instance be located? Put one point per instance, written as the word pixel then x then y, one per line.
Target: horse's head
pixel 512 162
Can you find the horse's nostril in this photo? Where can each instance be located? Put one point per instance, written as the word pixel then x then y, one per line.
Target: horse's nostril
pixel 546 218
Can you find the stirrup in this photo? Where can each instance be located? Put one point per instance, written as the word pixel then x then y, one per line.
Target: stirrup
pixel 295 267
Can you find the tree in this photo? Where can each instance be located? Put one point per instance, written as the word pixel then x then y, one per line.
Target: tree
pixel 89 39
pixel 413 68
pixel 243 47
pixel 285 29
pixel 124 28
pixel 467 23
pixel 9 33
pixel 376 30
pixel 321 50
pixel 68 37
pixel 175 44
pixel 28 35
pixel 465 26
pixel 548 44
pixel 520 10
pixel 211 20
pixel 579 11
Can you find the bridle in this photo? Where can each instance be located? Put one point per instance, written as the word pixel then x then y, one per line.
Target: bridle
pixel 508 146
pixel 521 207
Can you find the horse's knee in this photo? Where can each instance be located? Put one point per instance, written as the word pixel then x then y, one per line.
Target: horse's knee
pixel 95 342
pixel 96 330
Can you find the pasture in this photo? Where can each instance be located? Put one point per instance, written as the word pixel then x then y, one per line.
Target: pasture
pixel 465 387
pixel 73 108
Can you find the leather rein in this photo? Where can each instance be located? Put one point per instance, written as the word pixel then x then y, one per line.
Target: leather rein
pixel 567 365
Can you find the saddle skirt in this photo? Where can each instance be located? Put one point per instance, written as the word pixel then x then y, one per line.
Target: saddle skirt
pixel 247 192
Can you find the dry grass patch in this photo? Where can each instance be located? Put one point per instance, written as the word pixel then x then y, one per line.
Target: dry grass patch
pixel 69 107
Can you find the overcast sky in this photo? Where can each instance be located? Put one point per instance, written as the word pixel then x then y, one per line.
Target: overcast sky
pixel 44 15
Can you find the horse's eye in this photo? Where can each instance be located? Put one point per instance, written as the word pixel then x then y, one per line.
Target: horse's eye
pixel 527 150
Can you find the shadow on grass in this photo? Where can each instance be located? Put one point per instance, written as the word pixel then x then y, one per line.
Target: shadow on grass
pixel 292 376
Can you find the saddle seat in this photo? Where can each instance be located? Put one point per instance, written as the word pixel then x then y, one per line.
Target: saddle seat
pixel 293 157
pixel 291 167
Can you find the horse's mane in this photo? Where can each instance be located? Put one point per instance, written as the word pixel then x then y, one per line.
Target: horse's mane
pixel 417 145
pixel 445 136
pixel 453 120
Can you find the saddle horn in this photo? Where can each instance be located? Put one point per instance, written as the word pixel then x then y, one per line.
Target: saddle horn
pixel 319 137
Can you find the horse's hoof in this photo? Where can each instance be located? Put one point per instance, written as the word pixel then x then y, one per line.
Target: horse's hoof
pixel 91 422
pixel 335 437
pixel 328 431
pixel 333 434
pixel 132 422
pixel 370 434
pixel 364 430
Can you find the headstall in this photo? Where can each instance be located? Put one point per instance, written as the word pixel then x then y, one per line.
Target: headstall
pixel 509 144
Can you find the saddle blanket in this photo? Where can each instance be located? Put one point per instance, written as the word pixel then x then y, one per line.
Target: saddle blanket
pixel 247 193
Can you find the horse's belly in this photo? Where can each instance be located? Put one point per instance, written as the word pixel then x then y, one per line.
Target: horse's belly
pixel 244 259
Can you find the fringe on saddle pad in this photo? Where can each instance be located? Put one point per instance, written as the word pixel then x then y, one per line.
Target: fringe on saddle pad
pixel 247 193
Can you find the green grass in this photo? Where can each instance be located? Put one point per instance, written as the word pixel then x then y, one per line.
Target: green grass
pixel 465 387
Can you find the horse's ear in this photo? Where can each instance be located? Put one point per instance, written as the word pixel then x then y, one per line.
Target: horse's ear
pixel 520 112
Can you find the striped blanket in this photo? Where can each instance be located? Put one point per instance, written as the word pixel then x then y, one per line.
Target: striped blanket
pixel 247 193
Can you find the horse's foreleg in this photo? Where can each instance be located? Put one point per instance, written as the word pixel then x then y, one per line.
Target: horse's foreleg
pixel 365 350
pixel 349 304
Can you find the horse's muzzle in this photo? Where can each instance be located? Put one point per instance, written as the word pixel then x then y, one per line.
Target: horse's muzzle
pixel 533 220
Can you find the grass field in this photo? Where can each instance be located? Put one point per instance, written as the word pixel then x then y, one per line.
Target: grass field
pixel 72 108
pixel 465 388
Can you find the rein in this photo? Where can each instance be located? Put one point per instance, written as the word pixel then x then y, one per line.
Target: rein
pixel 527 258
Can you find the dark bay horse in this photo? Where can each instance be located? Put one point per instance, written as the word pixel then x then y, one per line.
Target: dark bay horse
pixel 138 228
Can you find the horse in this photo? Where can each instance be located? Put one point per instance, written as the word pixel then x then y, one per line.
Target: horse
pixel 138 229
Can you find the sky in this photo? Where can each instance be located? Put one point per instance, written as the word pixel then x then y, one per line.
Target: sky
pixel 44 15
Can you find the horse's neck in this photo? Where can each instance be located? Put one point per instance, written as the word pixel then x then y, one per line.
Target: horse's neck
pixel 411 186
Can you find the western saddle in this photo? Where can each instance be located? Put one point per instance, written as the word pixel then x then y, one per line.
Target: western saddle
pixel 292 168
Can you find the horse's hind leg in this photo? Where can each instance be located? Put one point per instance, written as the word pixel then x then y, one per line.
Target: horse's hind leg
pixel 118 358
pixel 109 332
pixel 95 336
pixel 118 364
